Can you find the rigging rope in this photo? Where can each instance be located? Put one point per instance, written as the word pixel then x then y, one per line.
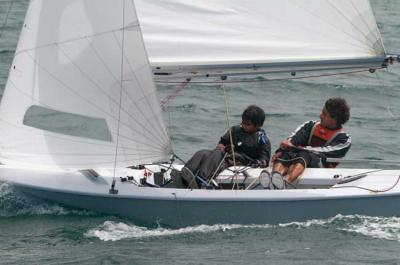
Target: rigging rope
pixel 228 124
pixel 174 94
pixel 368 189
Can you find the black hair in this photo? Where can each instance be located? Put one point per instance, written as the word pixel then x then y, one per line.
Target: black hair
pixel 338 109
pixel 254 114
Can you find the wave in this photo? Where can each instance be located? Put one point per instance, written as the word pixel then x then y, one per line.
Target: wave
pixel 7 52
pixel 376 227
pixel 186 107
pixel 14 203
pixel 387 228
pixel 114 231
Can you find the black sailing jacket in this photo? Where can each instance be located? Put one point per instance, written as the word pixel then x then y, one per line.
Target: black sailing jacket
pixel 257 145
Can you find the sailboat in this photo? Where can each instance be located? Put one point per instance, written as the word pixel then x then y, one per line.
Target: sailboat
pixel 81 122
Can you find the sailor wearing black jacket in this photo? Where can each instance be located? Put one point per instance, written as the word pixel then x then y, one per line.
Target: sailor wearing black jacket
pixel 313 142
pixel 249 144
pixel 249 147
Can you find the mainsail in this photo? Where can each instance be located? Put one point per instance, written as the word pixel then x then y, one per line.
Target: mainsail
pixel 80 92
pixel 233 36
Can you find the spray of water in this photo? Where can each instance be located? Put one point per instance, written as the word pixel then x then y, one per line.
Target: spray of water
pixel 375 227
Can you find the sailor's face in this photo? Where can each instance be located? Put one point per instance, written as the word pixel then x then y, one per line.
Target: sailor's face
pixel 326 120
pixel 249 127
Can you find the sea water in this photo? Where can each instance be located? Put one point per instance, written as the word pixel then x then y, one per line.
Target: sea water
pixel 37 232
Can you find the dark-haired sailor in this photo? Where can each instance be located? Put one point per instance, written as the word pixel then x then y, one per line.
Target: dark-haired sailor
pixel 312 143
pixel 251 146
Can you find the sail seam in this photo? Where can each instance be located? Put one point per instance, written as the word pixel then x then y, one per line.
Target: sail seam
pixel 371 30
pixel 61 139
pixel 83 98
pixel 115 78
pixel 99 163
pixel 361 43
pixel 164 129
pixel 142 90
pixel 87 76
pixel 361 16
pixel 76 39
pixel 354 26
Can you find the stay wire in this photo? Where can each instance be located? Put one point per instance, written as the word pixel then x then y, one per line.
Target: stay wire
pixel 228 124
pixel 120 91
pixel 165 102
pixel 174 94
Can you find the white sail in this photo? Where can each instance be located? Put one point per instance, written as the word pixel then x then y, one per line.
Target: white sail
pixel 65 105
pixel 279 35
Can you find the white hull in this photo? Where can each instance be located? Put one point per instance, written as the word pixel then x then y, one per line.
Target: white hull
pixel 183 207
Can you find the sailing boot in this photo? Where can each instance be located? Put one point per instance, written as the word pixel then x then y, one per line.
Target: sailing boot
pixel 277 181
pixel 265 180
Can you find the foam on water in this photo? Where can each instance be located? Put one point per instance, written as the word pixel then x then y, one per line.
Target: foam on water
pixel 376 227
pixel 113 231
pixel 14 203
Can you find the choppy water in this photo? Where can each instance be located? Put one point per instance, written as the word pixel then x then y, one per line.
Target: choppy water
pixel 34 232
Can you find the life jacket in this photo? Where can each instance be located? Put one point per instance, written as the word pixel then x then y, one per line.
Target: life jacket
pixel 321 136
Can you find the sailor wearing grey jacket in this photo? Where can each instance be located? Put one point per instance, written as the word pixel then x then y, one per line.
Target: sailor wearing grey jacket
pixel 313 137
pixel 313 142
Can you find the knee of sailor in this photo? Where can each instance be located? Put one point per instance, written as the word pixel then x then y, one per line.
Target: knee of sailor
pixel 203 152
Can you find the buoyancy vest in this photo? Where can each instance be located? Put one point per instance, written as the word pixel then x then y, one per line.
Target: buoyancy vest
pixel 321 136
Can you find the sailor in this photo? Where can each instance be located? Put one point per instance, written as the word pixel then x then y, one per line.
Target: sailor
pixel 312 143
pixel 251 146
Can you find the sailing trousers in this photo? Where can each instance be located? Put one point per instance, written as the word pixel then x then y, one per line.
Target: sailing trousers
pixel 204 163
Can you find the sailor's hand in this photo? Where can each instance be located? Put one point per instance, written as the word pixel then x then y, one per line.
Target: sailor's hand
pixel 258 163
pixel 221 147
pixel 286 144
pixel 276 156
pixel 263 163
